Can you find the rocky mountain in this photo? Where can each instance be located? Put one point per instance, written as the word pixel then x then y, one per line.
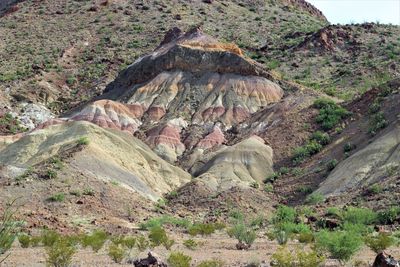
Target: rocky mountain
pixel 196 109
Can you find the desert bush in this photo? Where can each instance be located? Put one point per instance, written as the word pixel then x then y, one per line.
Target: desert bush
pixel 255 185
pixel 330 114
pixel 377 122
pixel 116 252
pixel 272 177
pixel 203 229
pixel 284 214
pixel 178 259
pixel 312 147
pixel 306 237
pixel 157 236
pixel 388 216
pixel 243 234
pixel 88 192
pixel 60 253
pixel 83 141
pixel 331 164
pixel 8 229
pixel 49 237
pixel 315 198
pixel 168 243
pixel 268 187
pixel 142 243
pixel 375 189
pixel 334 212
pixel 95 240
pixel 166 219
pixel 211 263
pixel 363 216
pixel 297 258
pixel 24 240
pixel 35 241
pixel 348 147
pixel 190 244
pixel 320 137
pixel 294 228
pixel 379 242
pixel 342 245
pixel 59 197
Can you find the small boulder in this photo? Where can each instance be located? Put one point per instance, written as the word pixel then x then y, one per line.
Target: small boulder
pixel 385 260
pixel 152 260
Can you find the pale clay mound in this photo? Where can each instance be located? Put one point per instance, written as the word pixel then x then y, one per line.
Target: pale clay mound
pixel 239 165
pixel 367 166
pixel 110 155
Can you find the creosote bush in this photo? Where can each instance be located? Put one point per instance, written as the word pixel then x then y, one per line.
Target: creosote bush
pixel 244 234
pixel 297 258
pixel 178 259
pixel 379 242
pixel 95 240
pixel 342 245
pixel 211 263
pixel 190 244
pixel 24 240
pixel 60 253
pixel 117 252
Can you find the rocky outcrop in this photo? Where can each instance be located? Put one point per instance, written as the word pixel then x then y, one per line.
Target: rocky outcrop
pixel 111 114
pixel 367 166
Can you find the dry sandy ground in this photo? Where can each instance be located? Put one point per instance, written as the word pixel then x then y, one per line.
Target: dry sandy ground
pixel 217 246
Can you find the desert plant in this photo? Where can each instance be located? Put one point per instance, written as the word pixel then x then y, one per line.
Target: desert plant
pixel 243 234
pixel 284 214
pixel 331 164
pixel 95 240
pixel 8 229
pixel 363 216
pixel 342 245
pixel 379 242
pixel 116 252
pixel 377 122
pixel 375 189
pixel 320 137
pixel 178 259
pixel 59 197
pixel 389 215
pixel 190 244
pixel 49 237
pixel 60 253
pixel 268 187
pixel 255 185
pixel 157 236
pixel 24 240
pixel 330 114
pixel 315 198
pixel 166 219
pixel 202 228
pixel 83 141
pixel 211 263
pixel 142 243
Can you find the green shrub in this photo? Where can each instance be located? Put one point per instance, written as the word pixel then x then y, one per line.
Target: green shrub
pixel 255 185
pixel 377 122
pixel 284 214
pixel 116 252
pixel 49 237
pixel 190 244
pixel 388 216
pixel 348 147
pixel 375 189
pixel 330 114
pixel 271 178
pixel 142 243
pixel 51 174
pixel 331 164
pixel 157 236
pixel 294 228
pixel 306 237
pixel 243 234
pixel 298 258
pixel 95 240
pixel 60 253
pixel 379 242
pixel 83 141
pixel 315 198
pixel 59 197
pixel 24 240
pixel 268 188
pixel 211 263
pixel 342 245
pixel 202 228
pixel 8 229
pixel 178 259
pixel 320 137
pixel 334 211
pixel 284 170
pixel 363 216
pixel 303 152
pixel 88 192
pixel 35 241
pixel 281 237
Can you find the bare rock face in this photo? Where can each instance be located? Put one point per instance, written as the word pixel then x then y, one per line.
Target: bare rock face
pixel 365 167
